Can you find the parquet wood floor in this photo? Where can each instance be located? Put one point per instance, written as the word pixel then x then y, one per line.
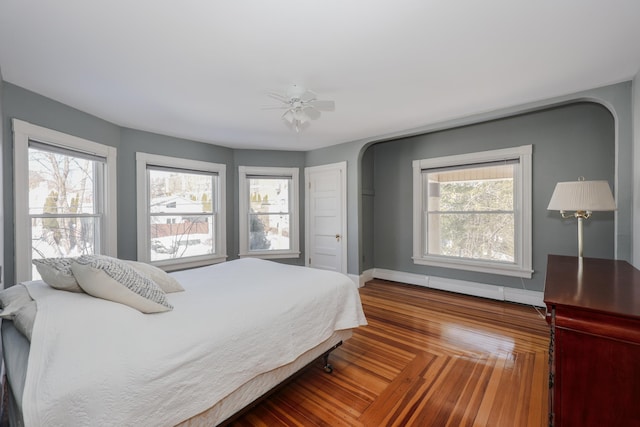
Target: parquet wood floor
pixel 427 358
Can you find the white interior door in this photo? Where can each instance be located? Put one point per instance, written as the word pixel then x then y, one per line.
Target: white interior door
pixel 326 217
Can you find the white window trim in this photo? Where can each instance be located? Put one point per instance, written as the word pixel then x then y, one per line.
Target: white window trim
pixel 243 210
pixel 143 214
pixel 22 133
pixel 523 264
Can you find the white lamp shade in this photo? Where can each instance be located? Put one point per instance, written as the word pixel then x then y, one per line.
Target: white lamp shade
pixel 582 196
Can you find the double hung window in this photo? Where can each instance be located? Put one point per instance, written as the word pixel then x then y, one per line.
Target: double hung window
pixel 180 216
pixel 64 197
pixel 472 212
pixel 268 212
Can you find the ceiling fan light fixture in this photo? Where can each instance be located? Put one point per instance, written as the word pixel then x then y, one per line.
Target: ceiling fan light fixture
pixel 301 106
pixel 300 116
pixel 288 116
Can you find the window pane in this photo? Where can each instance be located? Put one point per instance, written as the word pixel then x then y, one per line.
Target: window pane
pixel 488 188
pixel 173 191
pixel 269 214
pixel 181 236
pixel 178 200
pixel 62 184
pixel 477 236
pixel 269 232
pixel 471 212
pixel 269 195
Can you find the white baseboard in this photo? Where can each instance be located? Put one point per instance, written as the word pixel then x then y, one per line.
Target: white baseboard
pixel 501 293
pixel 399 276
pixel 364 277
pixel 359 281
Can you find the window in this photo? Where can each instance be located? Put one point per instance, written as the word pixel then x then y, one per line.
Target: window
pixel 181 221
pixel 65 201
pixel 473 212
pixel 268 212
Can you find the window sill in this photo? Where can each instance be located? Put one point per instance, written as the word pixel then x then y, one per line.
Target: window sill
pixel 512 270
pixel 271 255
pixel 174 265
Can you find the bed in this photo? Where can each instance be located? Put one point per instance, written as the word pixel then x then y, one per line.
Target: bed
pixel 239 329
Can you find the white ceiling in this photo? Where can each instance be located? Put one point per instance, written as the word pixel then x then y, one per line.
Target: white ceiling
pixel 201 69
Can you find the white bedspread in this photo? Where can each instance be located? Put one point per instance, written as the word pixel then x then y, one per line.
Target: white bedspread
pixel 98 363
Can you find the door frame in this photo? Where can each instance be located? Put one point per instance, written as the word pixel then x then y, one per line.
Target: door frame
pixel 342 168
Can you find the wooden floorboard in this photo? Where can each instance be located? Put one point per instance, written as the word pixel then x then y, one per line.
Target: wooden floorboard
pixel 427 358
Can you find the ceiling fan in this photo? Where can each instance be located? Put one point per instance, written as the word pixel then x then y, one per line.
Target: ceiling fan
pixel 301 105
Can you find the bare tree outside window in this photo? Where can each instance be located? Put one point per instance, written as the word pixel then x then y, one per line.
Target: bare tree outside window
pixel 471 213
pixel 62 203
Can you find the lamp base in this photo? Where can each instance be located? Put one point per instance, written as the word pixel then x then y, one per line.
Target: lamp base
pixel 580 219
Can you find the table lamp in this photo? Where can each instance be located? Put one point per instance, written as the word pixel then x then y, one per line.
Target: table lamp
pixel 582 198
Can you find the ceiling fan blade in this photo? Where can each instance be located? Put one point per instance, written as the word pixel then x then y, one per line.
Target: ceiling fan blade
pixel 323 105
pixel 278 96
pixel 274 107
pixel 308 96
pixel 312 113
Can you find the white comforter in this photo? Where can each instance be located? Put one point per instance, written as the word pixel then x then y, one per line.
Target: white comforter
pixel 94 362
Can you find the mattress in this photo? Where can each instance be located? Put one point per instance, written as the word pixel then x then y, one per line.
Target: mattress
pixel 16 356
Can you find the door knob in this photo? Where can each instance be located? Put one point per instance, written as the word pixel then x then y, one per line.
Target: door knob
pixel 337 237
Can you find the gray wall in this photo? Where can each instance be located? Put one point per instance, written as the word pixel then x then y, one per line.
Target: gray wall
pixel 285 159
pixel 636 170
pixel 40 110
pixel 568 141
pixel 616 98
pixel 367 228
pixel 2 282
pixel 37 109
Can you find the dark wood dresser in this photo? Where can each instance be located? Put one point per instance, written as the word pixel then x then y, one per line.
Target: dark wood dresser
pixel 593 308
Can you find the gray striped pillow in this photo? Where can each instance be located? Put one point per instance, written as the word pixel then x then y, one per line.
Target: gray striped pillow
pixel 114 280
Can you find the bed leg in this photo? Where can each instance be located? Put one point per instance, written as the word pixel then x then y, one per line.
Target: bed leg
pixel 328 368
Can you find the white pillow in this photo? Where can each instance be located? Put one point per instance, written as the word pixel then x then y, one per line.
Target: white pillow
pixel 112 279
pixel 56 272
pixel 13 299
pixel 24 318
pixel 162 279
